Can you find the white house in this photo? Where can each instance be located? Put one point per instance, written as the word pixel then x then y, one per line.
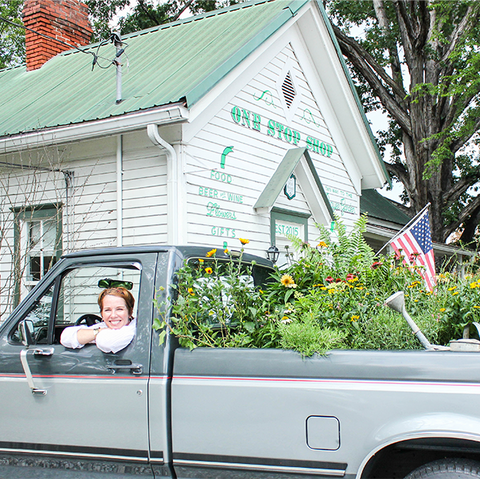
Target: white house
pixel 240 123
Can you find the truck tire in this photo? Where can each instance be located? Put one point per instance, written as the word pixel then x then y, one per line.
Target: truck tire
pixel 447 469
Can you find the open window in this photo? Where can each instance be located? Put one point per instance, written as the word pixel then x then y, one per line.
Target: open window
pixel 73 296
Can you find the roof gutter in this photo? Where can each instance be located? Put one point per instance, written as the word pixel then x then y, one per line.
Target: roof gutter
pixel 94 129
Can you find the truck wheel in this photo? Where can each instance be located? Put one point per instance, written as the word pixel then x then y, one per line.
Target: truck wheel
pixel 447 469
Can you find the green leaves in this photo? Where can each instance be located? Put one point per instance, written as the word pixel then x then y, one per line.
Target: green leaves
pixel 12 39
pixel 331 297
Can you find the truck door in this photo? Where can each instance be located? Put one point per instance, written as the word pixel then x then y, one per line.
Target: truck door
pixel 76 412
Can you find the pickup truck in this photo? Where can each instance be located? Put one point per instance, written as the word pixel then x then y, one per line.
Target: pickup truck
pixel 155 410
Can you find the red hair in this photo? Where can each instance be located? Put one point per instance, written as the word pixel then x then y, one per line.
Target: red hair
pixel 120 293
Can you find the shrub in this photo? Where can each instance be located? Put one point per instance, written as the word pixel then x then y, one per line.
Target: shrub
pixel 331 297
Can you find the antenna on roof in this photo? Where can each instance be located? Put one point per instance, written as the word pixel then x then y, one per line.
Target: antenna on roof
pixel 117 41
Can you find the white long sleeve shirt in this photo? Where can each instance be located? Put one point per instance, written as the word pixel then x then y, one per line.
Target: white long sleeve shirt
pixel 107 340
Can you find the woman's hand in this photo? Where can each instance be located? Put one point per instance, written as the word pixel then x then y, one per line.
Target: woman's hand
pixel 87 335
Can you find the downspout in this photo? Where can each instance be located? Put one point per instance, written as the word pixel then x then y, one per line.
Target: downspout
pixel 120 190
pixel 68 177
pixel 172 183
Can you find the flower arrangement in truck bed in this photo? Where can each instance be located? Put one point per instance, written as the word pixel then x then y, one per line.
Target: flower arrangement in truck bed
pixel 332 296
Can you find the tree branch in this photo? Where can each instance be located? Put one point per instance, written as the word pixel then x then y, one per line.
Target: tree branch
pixel 464 215
pixel 367 66
pixel 459 188
pixel 148 12
pixel 406 30
pixel 187 4
pixel 400 171
pixel 459 30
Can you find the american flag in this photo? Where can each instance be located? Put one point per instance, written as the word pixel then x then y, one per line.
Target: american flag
pixel 414 246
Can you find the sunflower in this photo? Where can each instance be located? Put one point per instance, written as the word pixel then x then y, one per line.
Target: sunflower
pixel 288 281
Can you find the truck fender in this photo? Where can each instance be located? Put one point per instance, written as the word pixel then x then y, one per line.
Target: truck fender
pixel 431 425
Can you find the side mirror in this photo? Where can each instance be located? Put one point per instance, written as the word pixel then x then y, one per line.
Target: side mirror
pixel 26 329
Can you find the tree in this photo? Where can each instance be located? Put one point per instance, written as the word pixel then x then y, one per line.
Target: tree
pixel 12 39
pixel 418 62
pixel 143 14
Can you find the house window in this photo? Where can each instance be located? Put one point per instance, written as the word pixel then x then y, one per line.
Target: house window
pixel 41 247
pixel 38 244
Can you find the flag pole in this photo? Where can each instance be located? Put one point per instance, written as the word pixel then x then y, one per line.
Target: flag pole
pixel 415 218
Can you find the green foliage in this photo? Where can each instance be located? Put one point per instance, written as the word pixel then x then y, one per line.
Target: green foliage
pixel 217 305
pixel 12 39
pixel 131 16
pixel 331 297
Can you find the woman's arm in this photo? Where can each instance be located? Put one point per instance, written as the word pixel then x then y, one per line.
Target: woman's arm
pixel 76 337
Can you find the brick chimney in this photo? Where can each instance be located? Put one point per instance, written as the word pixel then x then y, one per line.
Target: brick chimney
pixel 65 20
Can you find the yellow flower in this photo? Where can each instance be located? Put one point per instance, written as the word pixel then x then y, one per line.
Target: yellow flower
pixel 201 260
pixel 211 253
pixel 226 251
pixel 322 244
pixel 244 241
pixel 190 290
pixel 454 287
pixel 354 317
pixel 442 310
pixel 477 307
pixel 288 281
pixel 453 294
pixel 208 270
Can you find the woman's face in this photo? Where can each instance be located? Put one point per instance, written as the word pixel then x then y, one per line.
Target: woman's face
pixel 114 312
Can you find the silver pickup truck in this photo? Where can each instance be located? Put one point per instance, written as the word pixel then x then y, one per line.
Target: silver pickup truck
pixel 164 411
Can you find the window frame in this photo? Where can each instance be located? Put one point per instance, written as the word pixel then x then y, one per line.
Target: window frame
pixel 23 216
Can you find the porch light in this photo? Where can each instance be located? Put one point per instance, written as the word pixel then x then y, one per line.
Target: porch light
pixel 273 253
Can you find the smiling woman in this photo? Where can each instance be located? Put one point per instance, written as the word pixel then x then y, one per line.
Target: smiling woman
pixel 117 329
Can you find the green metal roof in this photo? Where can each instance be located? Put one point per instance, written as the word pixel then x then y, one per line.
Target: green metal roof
pixel 377 206
pixel 167 64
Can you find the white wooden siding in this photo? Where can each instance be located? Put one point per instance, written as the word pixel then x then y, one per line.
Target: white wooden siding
pixel 255 157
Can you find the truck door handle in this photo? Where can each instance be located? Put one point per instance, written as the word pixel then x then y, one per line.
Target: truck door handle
pixel 26 367
pixel 136 369
pixel 43 351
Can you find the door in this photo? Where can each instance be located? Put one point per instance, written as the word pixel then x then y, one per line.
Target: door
pixel 81 411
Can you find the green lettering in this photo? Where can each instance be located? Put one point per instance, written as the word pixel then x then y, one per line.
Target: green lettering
pixel 271 128
pixel 309 143
pixel 246 118
pixel 256 121
pixel 236 114
pixel 280 128
pixel 329 150
pixel 296 137
pixel 287 134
